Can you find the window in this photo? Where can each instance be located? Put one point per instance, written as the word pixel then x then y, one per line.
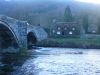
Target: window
pixel 59 28
pixel 73 28
pixel 53 31
pixel 93 31
pixel 70 32
pixel 58 32
pixel 65 28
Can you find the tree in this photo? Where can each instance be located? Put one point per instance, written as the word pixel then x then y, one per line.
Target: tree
pixel 85 23
pixel 99 25
pixel 68 15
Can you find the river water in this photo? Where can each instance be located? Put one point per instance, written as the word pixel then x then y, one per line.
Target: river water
pixel 60 61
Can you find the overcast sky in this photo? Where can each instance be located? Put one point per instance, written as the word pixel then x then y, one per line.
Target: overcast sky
pixel 37 0
pixel 87 1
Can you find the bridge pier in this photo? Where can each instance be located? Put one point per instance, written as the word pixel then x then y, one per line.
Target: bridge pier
pixel 22 30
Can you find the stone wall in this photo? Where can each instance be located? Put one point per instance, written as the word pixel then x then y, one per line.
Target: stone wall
pixel 20 30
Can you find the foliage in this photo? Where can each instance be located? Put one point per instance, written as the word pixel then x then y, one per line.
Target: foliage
pixel 85 23
pixel 99 25
pixel 68 15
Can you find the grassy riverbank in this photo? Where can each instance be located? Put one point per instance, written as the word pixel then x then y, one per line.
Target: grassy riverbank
pixel 70 43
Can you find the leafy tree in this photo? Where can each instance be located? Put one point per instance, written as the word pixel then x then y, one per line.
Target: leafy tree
pixel 99 25
pixel 68 15
pixel 85 23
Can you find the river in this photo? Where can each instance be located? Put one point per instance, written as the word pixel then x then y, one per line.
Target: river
pixel 60 61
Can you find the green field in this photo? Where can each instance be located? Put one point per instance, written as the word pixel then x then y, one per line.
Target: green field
pixel 70 42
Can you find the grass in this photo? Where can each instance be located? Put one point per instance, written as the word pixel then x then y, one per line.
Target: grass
pixel 77 40
pixel 70 42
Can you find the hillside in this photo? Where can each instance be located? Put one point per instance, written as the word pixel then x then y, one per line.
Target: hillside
pixel 43 11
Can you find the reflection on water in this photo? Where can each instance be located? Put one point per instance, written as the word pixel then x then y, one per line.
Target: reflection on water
pixel 7 64
pixel 54 61
pixel 10 62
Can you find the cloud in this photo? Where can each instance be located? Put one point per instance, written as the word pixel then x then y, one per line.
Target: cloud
pixel 7 0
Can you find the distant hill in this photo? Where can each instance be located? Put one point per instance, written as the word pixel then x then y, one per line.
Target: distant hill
pixel 43 11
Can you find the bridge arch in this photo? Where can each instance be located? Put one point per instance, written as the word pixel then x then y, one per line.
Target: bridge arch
pixel 7 36
pixel 31 39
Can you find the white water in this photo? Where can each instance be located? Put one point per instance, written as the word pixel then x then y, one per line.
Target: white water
pixel 62 61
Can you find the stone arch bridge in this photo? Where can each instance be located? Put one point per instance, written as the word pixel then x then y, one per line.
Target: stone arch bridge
pixel 19 34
